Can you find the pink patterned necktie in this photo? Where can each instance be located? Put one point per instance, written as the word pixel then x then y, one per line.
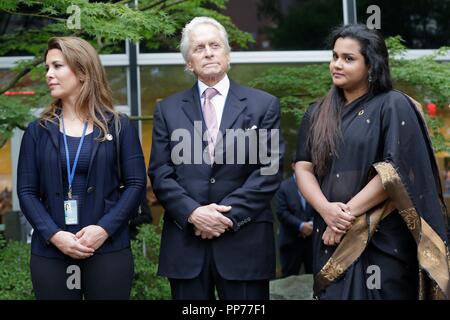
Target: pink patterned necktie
pixel 209 113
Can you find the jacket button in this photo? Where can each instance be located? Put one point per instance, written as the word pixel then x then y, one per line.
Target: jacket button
pixel 212 180
pixel 90 189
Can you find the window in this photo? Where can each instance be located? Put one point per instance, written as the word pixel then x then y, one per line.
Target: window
pixel 424 24
pixel 159 82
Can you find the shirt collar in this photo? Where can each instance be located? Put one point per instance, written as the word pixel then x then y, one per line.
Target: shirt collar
pixel 222 86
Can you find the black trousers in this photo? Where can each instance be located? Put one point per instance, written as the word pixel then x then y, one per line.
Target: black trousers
pixel 102 276
pixel 203 286
pixel 292 257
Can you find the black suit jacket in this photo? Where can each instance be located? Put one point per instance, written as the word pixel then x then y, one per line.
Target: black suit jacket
pixel 248 251
pixel 290 213
pixel 40 186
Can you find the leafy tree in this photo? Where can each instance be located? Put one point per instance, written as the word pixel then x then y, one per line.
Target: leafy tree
pixel 425 79
pixel 146 284
pixel 156 23
pixel 15 280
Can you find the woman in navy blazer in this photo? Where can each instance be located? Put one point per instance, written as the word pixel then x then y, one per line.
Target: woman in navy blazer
pixel 68 182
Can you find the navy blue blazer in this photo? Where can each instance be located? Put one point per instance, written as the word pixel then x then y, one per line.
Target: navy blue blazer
pixel 291 213
pixel 40 187
pixel 248 251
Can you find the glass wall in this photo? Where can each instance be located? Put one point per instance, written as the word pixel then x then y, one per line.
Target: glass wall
pixel 117 79
pixel 5 180
pixel 5 168
pixel 424 24
pixel 158 82
pixel 277 24
pixel 287 24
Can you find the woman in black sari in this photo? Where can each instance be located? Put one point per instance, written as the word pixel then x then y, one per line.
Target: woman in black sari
pixel 366 164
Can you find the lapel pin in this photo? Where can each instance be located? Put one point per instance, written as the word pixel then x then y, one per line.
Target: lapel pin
pixel 109 137
pixel 361 113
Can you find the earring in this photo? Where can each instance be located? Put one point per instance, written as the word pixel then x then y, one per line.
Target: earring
pixel 370 77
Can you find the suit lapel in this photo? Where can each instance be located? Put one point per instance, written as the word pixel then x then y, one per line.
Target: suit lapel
pixel 192 108
pixel 234 105
pixel 95 145
pixel 53 130
pixel 191 104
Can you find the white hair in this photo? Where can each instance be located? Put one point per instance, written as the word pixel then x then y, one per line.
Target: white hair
pixel 193 24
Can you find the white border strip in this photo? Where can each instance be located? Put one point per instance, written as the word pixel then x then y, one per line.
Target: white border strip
pixel 303 56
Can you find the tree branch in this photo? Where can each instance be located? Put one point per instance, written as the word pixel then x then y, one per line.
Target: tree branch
pixel 161 2
pixel 35 15
pixel 36 61
pixel 21 74
pixel 122 2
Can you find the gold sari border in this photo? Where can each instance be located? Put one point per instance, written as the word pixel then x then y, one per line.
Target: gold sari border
pixel 352 246
pixel 432 251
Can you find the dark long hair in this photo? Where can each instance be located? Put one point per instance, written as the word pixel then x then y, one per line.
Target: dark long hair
pixel 325 128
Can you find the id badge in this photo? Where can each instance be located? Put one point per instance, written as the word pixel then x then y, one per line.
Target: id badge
pixel 71 212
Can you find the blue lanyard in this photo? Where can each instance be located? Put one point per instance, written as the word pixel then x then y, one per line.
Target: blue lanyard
pixel 71 173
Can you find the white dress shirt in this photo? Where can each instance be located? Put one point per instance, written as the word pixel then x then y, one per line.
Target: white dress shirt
pixel 219 99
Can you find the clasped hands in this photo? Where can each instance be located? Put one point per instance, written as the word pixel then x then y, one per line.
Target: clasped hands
pixel 81 245
pixel 307 229
pixel 339 220
pixel 209 221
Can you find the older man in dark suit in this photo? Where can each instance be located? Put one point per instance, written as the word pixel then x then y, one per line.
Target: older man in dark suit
pixel 214 167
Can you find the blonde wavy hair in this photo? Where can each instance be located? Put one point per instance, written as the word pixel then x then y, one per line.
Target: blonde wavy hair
pixel 94 101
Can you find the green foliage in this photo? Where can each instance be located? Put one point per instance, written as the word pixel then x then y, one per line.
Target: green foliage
pixel 15 280
pixel 182 11
pixel 435 126
pixel 425 79
pixel 146 284
pixel 396 47
pixel 13 113
pixel 157 24
pixel 430 79
pixel 296 87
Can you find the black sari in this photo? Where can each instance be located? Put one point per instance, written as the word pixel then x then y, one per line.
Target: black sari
pixel 403 240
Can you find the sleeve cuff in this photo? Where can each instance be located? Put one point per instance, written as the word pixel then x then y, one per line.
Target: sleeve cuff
pixel 300 228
